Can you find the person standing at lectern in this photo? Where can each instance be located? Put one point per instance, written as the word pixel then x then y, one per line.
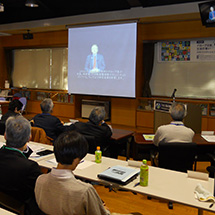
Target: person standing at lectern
pixel 176 131
pixel 94 62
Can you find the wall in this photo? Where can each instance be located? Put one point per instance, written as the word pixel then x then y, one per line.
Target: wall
pixel 157 28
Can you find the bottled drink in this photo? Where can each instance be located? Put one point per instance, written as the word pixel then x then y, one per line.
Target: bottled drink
pixel 6 85
pixel 98 155
pixel 144 173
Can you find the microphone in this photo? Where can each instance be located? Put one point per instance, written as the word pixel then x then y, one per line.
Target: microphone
pixel 173 94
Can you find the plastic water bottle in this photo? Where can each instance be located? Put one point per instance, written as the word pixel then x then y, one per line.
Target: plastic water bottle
pixel 144 173
pixel 98 155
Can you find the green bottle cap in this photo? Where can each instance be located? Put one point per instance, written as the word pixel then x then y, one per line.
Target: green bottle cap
pixel 144 161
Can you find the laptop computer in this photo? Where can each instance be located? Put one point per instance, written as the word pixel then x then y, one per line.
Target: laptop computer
pixel 119 174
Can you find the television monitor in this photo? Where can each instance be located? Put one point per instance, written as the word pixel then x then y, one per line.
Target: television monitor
pixel 102 60
pixel 207 12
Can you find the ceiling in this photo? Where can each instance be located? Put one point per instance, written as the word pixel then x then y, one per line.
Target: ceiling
pixel 15 11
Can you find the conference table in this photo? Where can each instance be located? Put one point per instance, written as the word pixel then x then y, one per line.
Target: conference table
pixel 163 184
pixel 203 146
pixel 5 212
pixel 121 136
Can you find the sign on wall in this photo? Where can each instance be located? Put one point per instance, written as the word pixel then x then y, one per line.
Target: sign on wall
pixel 191 51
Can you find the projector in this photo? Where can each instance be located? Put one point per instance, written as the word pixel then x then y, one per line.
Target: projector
pixel 1 7
pixel 27 36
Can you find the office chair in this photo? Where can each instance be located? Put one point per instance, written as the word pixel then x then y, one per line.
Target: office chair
pixel 175 156
pixel 91 143
pixel 39 135
pixel 211 168
pixel 2 128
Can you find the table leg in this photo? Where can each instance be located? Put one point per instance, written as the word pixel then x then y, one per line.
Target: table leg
pixel 200 211
pixel 128 147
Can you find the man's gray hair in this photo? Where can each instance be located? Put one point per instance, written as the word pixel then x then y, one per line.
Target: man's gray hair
pixel 177 111
pixel 97 115
pixel 47 105
pixel 18 131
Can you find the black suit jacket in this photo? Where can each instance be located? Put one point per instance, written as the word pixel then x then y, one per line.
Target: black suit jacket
pixel 18 174
pixel 7 115
pixel 3 120
pixel 51 124
pixel 101 133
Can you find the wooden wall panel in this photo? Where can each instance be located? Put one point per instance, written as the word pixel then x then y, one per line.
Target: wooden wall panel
pixel 211 124
pixel 64 110
pixel 46 39
pixel 145 119
pixel 3 72
pixel 139 64
pixel 123 111
pixel 204 123
pixel 33 107
pixel 175 30
pixel 61 110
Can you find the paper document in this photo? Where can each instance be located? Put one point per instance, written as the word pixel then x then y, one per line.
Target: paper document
pixel 149 136
pixel 209 138
pixel 84 164
pixel 53 161
pixel 35 148
pixel 1 144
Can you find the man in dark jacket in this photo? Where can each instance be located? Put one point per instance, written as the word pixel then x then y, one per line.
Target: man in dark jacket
pixel 14 109
pixel 51 124
pixel 18 174
pixel 96 131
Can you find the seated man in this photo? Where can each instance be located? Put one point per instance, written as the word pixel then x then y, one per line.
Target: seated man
pixel 96 127
pixel 175 131
pixel 14 109
pixel 59 192
pixel 51 124
pixel 18 174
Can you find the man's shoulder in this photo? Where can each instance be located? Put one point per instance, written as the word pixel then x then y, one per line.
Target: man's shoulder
pixel 163 127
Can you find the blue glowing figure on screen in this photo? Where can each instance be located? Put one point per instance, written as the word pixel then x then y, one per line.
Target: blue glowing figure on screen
pixel 212 14
pixel 95 62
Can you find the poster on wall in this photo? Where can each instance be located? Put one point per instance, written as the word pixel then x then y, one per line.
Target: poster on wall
pixel 203 50
pixel 174 51
pixel 190 51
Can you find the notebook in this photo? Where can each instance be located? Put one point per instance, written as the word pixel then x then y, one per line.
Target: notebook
pixel 119 174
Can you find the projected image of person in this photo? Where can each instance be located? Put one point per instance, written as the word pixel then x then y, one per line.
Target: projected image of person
pixel 212 14
pixel 95 61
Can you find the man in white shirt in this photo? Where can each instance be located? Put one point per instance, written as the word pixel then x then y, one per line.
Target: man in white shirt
pixel 176 131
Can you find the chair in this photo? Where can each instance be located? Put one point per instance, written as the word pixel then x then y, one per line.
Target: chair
pixel 24 103
pixel 2 128
pixel 175 156
pixel 91 143
pixel 211 168
pixel 11 204
pixel 39 135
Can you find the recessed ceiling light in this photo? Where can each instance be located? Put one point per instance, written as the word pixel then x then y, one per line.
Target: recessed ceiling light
pixel 1 7
pixel 31 3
